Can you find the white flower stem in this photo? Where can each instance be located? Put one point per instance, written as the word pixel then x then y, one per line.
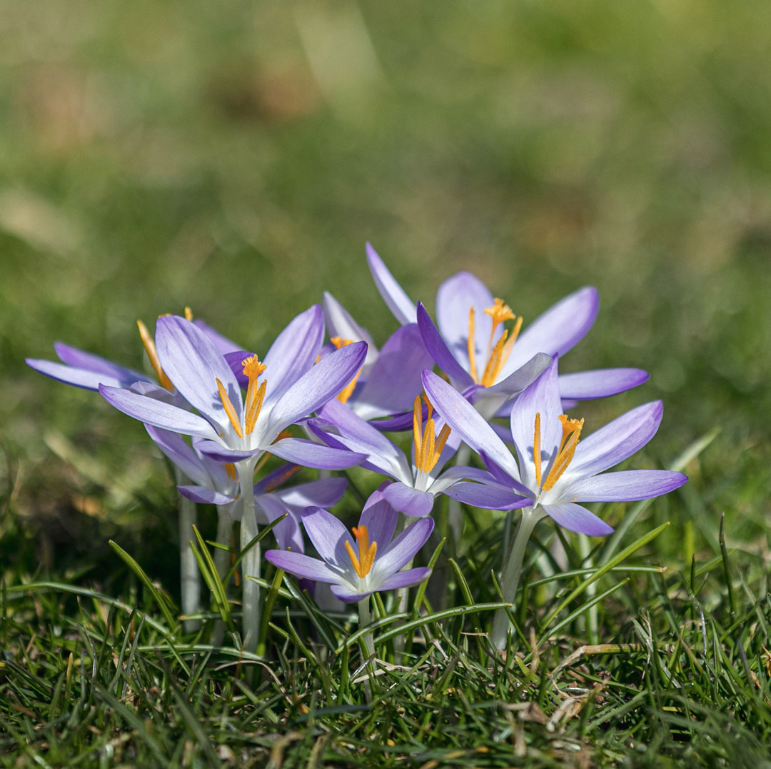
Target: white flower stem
pixel 512 571
pixel 368 643
pixel 250 564
pixel 190 578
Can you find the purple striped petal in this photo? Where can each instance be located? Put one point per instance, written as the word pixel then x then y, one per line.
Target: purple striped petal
pixel 325 493
pixel 328 536
pixel 521 378
pixel 406 578
pixel 194 364
pixel 317 386
pixel 222 343
pixel 312 454
pixel 617 440
pixel 301 565
pixel 77 377
pixel 380 518
pixel 157 413
pixel 393 294
pixel 346 593
pixel 408 500
pixel 181 455
pixel 467 422
pixel 77 358
pixel 236 360
pixel 294 352
pixel 487 497
pixel 276 478
pixel 394 380
pixel 625 486
pixel 220 453
pixel 440 352
pixel 204 496
pixel 578 519
pixel 340 323
pixel 558 329
pixel 454 300
pixel 287 533
pixel 602 383
pixel 402 550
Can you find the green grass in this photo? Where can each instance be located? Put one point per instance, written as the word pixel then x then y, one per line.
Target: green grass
pixel 235 158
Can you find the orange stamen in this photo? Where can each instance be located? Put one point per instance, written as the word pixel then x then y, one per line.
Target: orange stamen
pixel 363 563
pixel 229 410
pixel 571 432
pixel 347 391
pixel 537 449
pixel 497 352
pixel 188 314
pixel 152 354
pixel 472 345
pixel 427 445
pixel 255 394
pixel 230 469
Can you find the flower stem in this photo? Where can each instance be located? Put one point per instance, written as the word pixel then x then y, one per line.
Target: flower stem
pixel 250 564
pixel 512 571
pixel 368 644
pixel 190 578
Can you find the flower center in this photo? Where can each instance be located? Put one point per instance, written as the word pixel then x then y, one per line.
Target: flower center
pixel 255 395
pixel 363 564
pixel 347 391
pixel 571 432
pixel 428 446
pixel 497 354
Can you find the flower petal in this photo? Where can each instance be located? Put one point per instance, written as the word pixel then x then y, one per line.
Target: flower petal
pixel 394 380
pixel 328 536
pixel 406 578
pixel 194 364
pixel 294 352
pixel 440 352
pixel 219 453
pixel 77 358
pixel 77 377
pixel 340 323
pixel 487 497
pixel 181 455
pixel 393 294
pixel 269 508
pixel 408 500
pixel 222 343
pixel 157 413
pixel 578 519
pixel 204 496
pixel 617 440
pixel 601 383
pixel 325 493
pixel 467 422
pixel 345 592
pixel 312 454
pixel 625 486
pixel 402 550
pixel 379 517
pixel 301 565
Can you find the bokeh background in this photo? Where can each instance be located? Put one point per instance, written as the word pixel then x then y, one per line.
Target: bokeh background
pixel 235 157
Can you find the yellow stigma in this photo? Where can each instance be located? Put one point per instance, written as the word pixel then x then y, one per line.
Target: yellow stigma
pixel 571 432
pixel 347 391
pixel 497 353
pixel 428 445
pixel 152 354
pixel 363 564
pixel 255 394
pixel 188 314
pixel 230 469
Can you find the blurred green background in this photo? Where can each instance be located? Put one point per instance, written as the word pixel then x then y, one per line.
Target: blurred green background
pixel 235 157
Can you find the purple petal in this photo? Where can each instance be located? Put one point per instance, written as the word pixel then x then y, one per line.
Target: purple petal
pixel 454 300
pixel 317 386
pixel 287 533
pixel 328 536
pixel 406 578
pixel 521 378
pixel 220 453
pixel 469 424
pixel 276 478
pixel 301 565
pixel 236 360
pixel 180 454
pixel 346 593
pixel 617 440
pixel 194 364
pixel 312 454
pixel 325 493
pixel 409 501
pixel 542 397
pixel 578 519
pixel 395 424
pixel 77 358
pixel 625 486
pixel 294 352
pixel 394 380
pixel 402 550
pixel 393 294
pixel 204 496
pixel 602 383
pixel 487 497
pixel 380 518
pixel 341 323
pixel 558 329
pixel 222 343
pixel 439 350
pixel 77 377
pixel 157 413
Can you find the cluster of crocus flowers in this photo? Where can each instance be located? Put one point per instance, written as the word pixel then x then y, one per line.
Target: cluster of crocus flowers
pixel 219 411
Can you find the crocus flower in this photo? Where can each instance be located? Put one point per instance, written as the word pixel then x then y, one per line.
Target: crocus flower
pixel 369 562
pixel 553 469
pixel 285 388
pixel 390 377
pixel 492 363
pixel 417 482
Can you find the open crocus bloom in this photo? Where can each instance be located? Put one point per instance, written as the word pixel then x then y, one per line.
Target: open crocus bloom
pixel 481 344
pixel 416 482
pixel 554 469
pixel 390 378
pixel 281 391
pixel 370 561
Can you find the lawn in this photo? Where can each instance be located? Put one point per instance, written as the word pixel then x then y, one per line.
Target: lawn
pixel 235 158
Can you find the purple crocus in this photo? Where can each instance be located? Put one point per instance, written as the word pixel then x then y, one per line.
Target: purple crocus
pixel 488 361
pixel 417 482
pixel 369 562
